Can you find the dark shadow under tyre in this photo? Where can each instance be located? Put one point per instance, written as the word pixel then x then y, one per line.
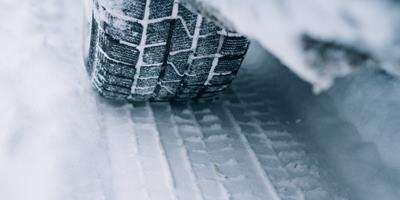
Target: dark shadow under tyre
pixel 158 50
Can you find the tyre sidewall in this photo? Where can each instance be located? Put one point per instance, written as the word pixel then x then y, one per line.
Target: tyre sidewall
pixel 89 36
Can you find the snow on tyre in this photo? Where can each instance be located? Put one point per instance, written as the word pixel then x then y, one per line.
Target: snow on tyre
pixel 159 50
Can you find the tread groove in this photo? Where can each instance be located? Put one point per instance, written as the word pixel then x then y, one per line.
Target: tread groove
pixel 165 62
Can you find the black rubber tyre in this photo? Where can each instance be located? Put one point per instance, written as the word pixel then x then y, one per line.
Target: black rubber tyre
pixel 158 50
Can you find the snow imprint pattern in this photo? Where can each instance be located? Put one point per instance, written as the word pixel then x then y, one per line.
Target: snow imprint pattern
pixel 243 148
pixel 292 170
pixel 159 50
pixel 206 158
pixel 231 150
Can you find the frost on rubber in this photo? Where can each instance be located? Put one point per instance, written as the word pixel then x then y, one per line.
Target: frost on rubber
pixel 159 50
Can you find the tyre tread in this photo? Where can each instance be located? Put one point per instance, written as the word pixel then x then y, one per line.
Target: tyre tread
pixel 162 53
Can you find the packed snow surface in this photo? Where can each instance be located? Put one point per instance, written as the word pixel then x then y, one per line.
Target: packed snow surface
pixel 59 140
pixel 367 25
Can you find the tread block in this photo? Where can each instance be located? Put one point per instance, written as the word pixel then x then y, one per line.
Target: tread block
pixel 144 91
pixel 102 85
pixel 180 61
pixel 115 80
pixel 150 71
pixel 171 85
pixel 191 90
pixel 180 40
pixel 154 55
pixel 170 74
pixel 228 64
pixel 189 19
pixel 209 27
pixel 160 8
pixel 208 45
pixel 115 50
pixel 222 79
pixel 199 79
pixel 120 29
pixel 235 46
pixel 158 32
pixel 147 82
pixel 114 68
pixel 134 8
pixel 116 89
pixel 200 66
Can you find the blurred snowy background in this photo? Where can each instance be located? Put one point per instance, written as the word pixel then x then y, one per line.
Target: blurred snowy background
pixel 57 140
pixel 370 27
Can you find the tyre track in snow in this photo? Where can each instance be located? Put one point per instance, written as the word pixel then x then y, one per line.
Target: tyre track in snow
pixel 230 156
pixel 126 172
pixel 151 154
pixel 241 149
pixel 261 112
pixel 177 150
pixel 206 155
pixel 294 173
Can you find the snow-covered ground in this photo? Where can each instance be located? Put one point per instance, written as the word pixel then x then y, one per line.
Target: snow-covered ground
pixel 59 140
